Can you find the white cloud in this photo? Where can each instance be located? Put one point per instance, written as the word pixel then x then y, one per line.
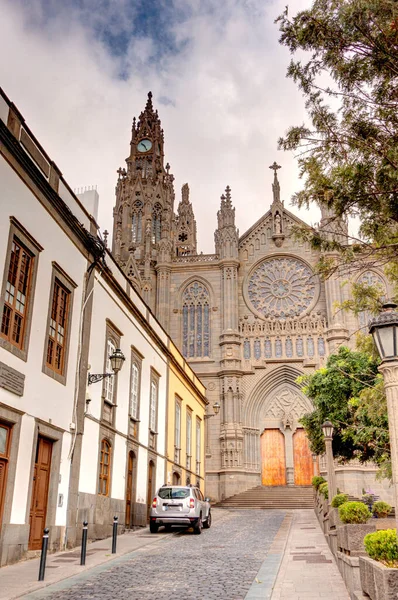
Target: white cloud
pixel 228 99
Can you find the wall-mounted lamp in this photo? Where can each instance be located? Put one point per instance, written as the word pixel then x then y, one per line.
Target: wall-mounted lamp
pixel 117 359
pixel 216 408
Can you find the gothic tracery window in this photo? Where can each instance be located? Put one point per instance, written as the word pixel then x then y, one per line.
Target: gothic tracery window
pixel 196 321
pixel 136 222
pixel 156 223
pixel 370 278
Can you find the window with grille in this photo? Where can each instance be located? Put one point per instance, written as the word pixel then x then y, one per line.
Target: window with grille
pixel 105 468
pixel 57 331
pixel 198 446
pixel 177 434
pixel 189 441
pixel 153 406
pixel 17 294
pixel 135 377
pixel 109 382
pixel 196 321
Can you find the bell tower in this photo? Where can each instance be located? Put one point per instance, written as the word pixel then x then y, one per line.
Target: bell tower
pixel 143 214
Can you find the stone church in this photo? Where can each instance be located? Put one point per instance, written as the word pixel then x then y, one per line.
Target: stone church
pixel 250 318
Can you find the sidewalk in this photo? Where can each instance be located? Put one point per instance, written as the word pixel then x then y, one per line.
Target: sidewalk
pixel 299 565
pixel 21 578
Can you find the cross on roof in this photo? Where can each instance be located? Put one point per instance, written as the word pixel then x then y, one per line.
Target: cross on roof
pixel 275 167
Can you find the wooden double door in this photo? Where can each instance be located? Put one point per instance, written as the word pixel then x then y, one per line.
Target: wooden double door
pixel 40 489
pixel 273 458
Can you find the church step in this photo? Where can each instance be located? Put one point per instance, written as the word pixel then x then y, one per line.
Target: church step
pixel 263 497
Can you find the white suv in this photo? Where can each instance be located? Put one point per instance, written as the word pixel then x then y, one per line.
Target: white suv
pixel 182 506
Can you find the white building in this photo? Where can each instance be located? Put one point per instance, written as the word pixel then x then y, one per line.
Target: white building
pixel 70 451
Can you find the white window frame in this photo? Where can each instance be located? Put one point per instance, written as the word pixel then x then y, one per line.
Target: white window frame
pixel 134 390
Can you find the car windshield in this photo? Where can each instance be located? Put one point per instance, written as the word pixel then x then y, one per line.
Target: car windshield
pixel 168 493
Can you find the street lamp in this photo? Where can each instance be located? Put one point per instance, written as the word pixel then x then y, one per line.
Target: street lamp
pixel 384 329
pixel 216 408
pixel 117 359
pixel 327 429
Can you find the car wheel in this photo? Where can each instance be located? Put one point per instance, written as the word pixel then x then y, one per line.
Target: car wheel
pixel 167 527
pixel 207 523
pixel 153 528
pixel 198 526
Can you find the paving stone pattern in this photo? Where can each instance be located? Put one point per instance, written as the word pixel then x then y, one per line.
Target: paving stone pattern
pixel 221 563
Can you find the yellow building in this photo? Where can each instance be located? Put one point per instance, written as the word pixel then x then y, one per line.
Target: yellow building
pixel 185 423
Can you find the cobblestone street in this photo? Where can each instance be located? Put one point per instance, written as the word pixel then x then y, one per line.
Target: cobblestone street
pixel 221 563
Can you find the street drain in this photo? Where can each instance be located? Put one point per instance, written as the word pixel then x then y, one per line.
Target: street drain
pixel 304 547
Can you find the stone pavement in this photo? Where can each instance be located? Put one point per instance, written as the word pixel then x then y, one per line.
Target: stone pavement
pixel 308 570
pixel 247 554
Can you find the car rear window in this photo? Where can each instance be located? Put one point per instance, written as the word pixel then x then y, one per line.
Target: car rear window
pixel 167 493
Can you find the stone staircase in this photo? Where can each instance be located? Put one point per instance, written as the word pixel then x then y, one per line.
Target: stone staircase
pixel 263 497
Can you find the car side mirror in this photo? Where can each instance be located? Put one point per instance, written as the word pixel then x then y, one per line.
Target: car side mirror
pixel 207 499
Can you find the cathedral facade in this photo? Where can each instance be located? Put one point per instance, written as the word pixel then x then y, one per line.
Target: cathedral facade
pixel 250 318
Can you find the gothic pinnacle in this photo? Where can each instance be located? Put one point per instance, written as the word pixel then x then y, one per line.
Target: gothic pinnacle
pixel 149 105
pixel 228 196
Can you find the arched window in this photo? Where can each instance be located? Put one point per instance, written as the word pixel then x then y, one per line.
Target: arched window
pixel 105 468
pixel 136 222
pixel 246 350
pixel 321 346
pixel 369 278
pixel 196 321
pixel 156 223
pixel 257 349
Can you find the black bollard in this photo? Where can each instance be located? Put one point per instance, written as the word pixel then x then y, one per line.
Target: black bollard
pixel 43 556
pixel 114 535
pixel 84 544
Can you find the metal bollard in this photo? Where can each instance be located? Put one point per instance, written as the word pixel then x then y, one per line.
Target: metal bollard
pixel 43 556
pixel 114 534
pixel 84 544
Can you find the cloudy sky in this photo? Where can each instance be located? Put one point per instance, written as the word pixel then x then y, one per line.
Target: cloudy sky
pixel 80 70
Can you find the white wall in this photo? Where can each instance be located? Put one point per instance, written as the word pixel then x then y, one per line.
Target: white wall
pixel 43 397
pixel 106 305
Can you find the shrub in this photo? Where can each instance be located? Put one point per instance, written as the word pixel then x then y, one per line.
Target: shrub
pixel 354 512
pixel 339 499
pixel 323 489
pixel 382 546
pixel 317 480
pixel 381 509
pixel 369 498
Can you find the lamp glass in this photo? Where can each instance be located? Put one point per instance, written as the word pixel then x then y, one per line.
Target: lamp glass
pixel 328 429
pixel 386 337
pixel 216 408
pixel 117 359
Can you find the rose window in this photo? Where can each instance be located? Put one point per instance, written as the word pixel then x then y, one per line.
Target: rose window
pixel 281 287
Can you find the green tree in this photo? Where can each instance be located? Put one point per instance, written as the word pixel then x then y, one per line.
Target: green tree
pixel 349 392
pixel 348 152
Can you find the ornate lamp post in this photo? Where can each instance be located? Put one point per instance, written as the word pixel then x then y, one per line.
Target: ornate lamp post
pixel 327 429
pixel 384 329
pixel 117 359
